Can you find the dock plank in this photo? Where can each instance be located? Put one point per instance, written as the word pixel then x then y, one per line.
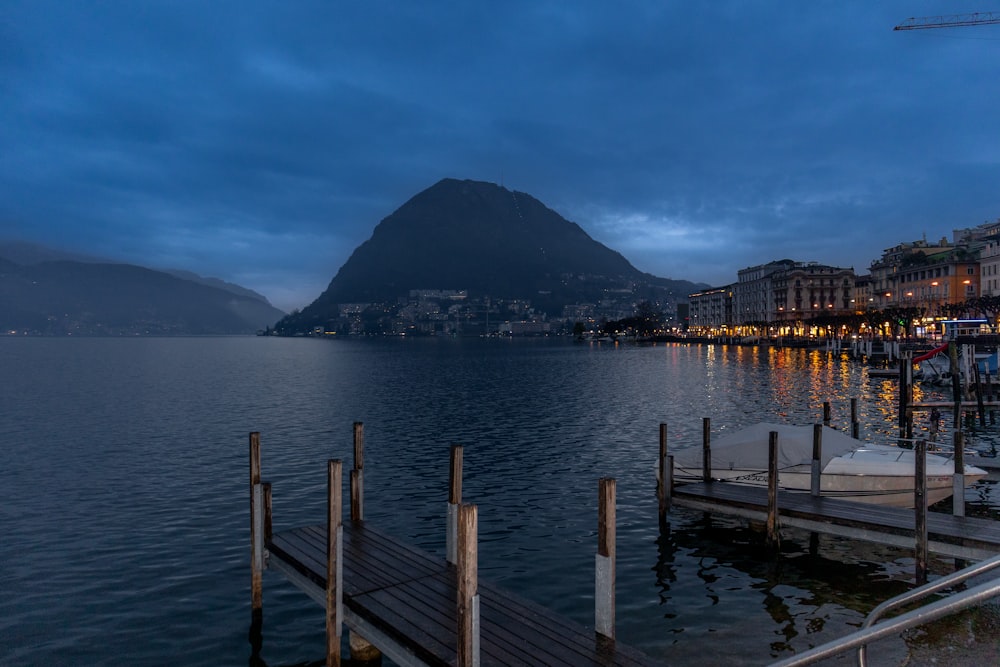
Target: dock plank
pixel 409 596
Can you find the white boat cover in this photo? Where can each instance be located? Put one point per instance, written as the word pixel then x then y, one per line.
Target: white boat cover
pixel 747 448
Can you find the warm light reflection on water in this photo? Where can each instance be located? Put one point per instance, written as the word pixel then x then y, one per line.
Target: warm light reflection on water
pixel 125 478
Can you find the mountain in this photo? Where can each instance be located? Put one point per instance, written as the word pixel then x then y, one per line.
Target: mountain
pixel 88 298
pixel 483 238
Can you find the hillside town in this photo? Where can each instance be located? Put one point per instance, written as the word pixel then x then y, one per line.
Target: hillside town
pixel 911 290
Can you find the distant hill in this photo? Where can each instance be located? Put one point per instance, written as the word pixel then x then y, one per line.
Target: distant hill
pixel 484 238
pixel 21 252
pixel 87 298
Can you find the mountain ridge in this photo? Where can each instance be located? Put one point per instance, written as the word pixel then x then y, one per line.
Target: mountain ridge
pixel 65 297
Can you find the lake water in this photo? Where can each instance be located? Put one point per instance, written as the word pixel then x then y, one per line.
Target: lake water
pixel 125 487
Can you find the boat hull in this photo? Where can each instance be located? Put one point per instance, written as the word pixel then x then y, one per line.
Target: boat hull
pixel 851 470
pixel 893 491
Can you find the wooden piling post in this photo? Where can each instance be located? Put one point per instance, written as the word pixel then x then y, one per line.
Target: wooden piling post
pixel 358 474
pixel 980 401
pixel 958 478
pixel 706 449
pixel 920 510
pixel 989 388
pixel 817 460
pixel 773 538
pixel 827 413
pixel 956 385
pixel 604 577
pixel 361 649
pixel 904 402
pixel 334 562
pixel 454 500
pixel 268 528
pixel 855 422
pixel 467 612
pixel 256 527
pixel 664 477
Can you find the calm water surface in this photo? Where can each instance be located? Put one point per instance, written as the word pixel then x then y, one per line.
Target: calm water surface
pixel 125 476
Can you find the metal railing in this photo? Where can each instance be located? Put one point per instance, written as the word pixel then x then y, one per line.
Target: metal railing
pixel 871 632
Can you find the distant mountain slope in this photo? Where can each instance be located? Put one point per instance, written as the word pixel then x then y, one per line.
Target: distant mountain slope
pixel 483 238
pixel 21 252
pixel 217 282
pixel 83 298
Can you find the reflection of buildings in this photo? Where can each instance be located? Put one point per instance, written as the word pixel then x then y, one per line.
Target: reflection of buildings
pixel 799 589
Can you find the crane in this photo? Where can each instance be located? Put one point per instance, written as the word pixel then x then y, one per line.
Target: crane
pixel 950 21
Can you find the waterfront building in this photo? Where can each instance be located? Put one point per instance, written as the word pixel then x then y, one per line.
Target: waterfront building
pixel 752 303
pixel 989 267
pixel 928 276
pixel 805 292
pixel 887 270
pixel 864 297
pixel 710 312
pixel 788 294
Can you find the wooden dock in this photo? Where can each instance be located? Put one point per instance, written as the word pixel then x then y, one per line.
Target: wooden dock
pixel 953 535
pixel 403 600
pixel 947 535
pixel 420 609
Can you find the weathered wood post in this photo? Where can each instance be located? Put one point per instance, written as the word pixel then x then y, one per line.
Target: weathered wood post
pixel 706 449
pixel 604 570
pixel 260 532
pixel 773 539
pixel 358 474
pixel 334 562
pixel 817 461
pixel 256 527
pixel 268 528
pixel 467 611
pixel 904 402
pixel 454 500
pixel 920 510
pixel 980 401
pixel 664 475
pixel 361 649
pixel 827 414
pixel 958 478
pixel 855 422
pixel 956 385
pixel 989 389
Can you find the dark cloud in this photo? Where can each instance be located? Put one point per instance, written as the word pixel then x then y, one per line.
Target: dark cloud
pixel 262 141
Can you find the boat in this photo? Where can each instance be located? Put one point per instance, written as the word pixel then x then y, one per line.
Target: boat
pixel 851 469
pixel 934 367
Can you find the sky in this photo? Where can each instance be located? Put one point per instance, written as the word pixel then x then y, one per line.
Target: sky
pixel 262 142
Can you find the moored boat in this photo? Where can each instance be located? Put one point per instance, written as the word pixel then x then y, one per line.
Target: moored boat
pixel 851 469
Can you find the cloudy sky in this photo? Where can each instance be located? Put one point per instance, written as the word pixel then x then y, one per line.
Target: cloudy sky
pixel 261 142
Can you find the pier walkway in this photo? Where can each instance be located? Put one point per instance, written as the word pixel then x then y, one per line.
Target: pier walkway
pixel 947 535
pixel 417 608
pixel 403 600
